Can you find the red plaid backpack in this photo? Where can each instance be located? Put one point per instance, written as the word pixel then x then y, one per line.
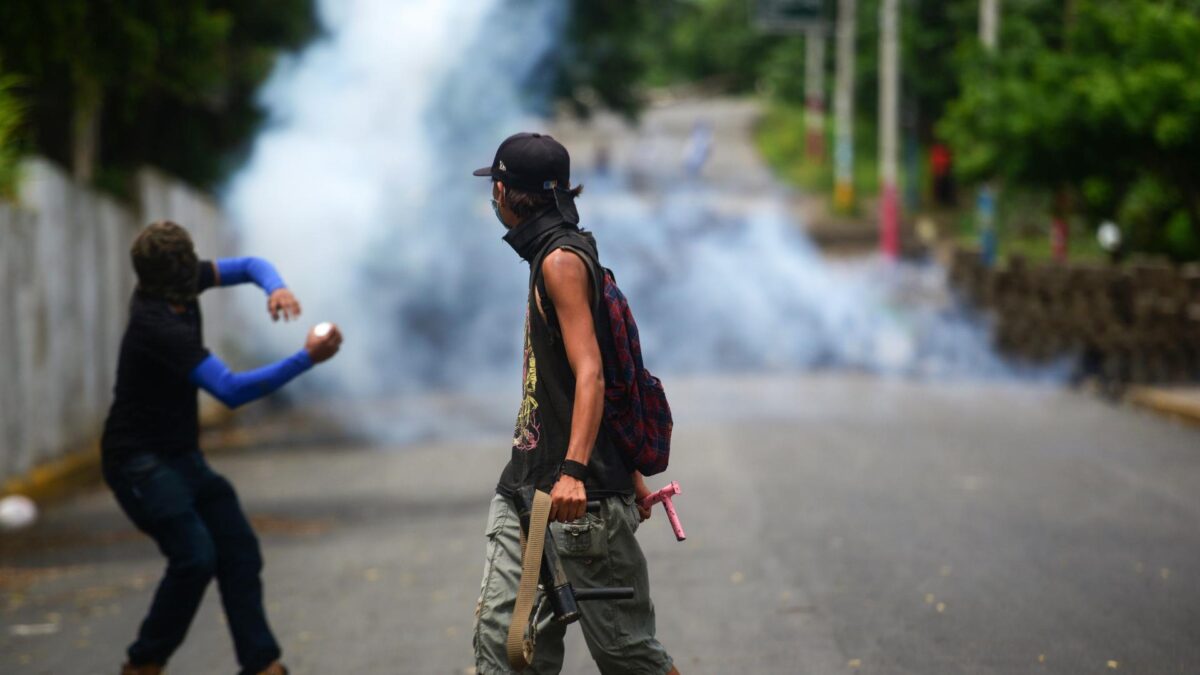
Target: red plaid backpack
pixel 636 413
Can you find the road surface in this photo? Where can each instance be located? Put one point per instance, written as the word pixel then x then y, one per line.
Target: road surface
pixel 837 523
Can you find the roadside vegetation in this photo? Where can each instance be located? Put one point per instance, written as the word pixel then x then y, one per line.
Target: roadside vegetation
pixel 1088 111
pixel 111 86
pixel 1089 108
pixel 11 113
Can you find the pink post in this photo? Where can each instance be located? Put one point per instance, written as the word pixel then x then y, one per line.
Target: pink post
pixel 664 495
pixel 889 221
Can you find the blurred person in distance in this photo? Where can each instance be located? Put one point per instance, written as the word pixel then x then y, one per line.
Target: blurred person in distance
pixel 151 451
pixel 941 165
pixel 698 148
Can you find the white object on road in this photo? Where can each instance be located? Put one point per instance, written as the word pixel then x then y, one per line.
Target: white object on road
pixel 1109 236
pixel 16 512
pixel 323 329
pixel 33 629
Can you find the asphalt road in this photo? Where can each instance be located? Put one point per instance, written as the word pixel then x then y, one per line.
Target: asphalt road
pixel 837 523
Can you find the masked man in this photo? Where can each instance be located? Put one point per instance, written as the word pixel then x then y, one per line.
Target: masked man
pixel 559 444
pixel 151 452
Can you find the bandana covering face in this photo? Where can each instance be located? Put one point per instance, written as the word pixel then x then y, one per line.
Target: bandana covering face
pixel 526 239
pixel 173 283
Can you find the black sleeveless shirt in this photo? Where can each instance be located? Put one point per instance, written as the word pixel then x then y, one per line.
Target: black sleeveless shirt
pixel 543 427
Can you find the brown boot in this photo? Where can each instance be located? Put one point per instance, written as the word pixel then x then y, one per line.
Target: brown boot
pixel 276 668
pixel 148 669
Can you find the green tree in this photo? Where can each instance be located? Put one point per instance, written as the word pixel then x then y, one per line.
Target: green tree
pixel 613 51
pixel 12 111
pixel 119 83
pixel 602 59
pixel 715 42
pixel 1103 108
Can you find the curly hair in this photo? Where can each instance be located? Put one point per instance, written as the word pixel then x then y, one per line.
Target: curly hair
pixel 165 261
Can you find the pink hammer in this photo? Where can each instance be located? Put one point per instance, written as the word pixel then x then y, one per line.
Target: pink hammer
pixel 664 495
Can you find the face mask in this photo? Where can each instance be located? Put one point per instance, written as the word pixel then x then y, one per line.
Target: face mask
pixel 496 210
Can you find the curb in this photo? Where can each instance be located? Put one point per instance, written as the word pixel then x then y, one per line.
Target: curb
pixel 63 476
pixel 57 478
pixel 1178 403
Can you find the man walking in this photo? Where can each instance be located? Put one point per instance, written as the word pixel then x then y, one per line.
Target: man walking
pixel 151 452
pixel 559 444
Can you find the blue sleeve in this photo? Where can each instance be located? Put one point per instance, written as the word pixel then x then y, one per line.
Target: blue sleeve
pixel 234 389
pixel 234 271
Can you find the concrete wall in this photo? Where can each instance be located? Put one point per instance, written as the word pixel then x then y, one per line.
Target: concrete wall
pixel 65 282
pixel 1137 323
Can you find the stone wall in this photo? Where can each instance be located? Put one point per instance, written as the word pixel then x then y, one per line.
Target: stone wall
pixel 65 282
pixel 1135 323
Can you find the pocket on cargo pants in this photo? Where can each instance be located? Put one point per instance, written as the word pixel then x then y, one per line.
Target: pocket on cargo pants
pixel 621 634
pixel 583 538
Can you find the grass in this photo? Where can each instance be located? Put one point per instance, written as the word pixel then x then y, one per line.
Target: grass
pixel 1081 246
pixel 1023 225
pixel 12 113
pixel 1023 228
pixel 781 140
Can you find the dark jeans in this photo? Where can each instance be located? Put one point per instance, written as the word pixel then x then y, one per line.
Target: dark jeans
pixel 193 514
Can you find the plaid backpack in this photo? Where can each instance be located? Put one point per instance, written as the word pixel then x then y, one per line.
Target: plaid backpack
pixel 636 413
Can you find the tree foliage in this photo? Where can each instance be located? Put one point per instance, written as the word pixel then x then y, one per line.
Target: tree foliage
pixel 601 60
pixel 614 51
pixel 1105 109
pixel 169 82
pixel 12 112
pixel 1095 103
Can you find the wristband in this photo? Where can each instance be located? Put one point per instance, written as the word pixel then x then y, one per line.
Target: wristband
pixel 573 469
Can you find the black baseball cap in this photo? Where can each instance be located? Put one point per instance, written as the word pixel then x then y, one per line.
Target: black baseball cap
pixel 535 163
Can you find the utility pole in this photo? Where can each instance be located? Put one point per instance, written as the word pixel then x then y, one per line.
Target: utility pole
pixel 889 128
pixel 985 203
pixel 843 104
pixel 989 23
pixel 814 93
pixel 807 17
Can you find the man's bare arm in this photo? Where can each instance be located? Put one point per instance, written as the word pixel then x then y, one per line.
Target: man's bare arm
pixel 570 288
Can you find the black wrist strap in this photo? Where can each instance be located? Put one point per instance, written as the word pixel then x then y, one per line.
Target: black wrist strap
pixel 574 469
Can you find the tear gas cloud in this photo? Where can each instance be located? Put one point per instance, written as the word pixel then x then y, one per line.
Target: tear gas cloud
pixel 359 189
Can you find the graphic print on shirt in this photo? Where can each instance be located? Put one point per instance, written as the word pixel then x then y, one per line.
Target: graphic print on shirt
pixel 529 425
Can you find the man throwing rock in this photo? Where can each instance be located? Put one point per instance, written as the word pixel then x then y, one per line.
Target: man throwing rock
pixel 151 451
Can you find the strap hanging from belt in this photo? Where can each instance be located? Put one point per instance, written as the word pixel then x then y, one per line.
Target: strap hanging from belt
pixel 520 649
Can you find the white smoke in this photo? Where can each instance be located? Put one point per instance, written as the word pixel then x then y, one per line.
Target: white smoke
pixel 360 188
pixel 360 191
pixel 715 290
